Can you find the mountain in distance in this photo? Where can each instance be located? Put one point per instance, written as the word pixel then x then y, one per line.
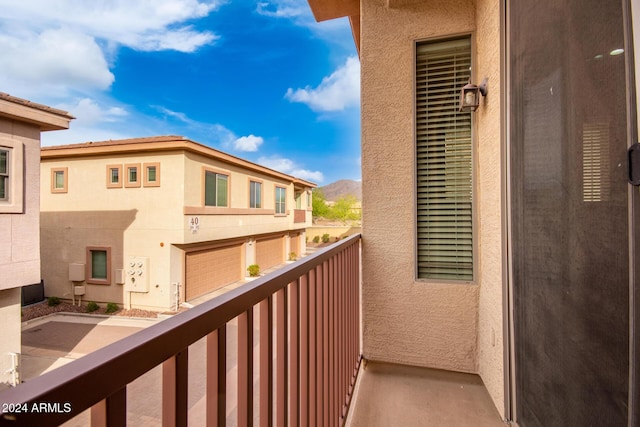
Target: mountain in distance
pixel 341 188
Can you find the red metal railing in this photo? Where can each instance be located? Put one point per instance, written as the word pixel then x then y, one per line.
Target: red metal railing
pixel 312 338
pixel 299 215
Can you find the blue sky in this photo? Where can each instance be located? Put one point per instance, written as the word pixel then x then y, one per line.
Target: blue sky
pixel 258 79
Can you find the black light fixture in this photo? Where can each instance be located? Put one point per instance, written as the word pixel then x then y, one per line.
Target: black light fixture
pixel 470 95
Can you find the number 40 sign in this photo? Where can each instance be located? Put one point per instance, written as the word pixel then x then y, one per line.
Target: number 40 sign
pixel 194 224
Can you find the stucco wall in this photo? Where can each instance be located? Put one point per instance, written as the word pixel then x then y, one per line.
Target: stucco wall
pixel 140 221
pixel 20 251
pixel 439 325
pixel 144 221
pixel 404 320
pixel 9 332
pixel 489 178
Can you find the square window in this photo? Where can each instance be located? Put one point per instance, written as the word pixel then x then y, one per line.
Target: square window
pixel 152 174
pixel 98 265
pixel 132 175
pixel 255 194
pixel 281 198
pixel 114 176
pixel 59 179
pixel 216 189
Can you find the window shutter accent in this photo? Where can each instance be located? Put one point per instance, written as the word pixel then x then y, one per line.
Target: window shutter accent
pixel 444 164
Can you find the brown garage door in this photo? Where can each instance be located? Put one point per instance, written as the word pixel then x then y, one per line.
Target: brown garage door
pixel 212 269
pixel 294 243
pixel 269 252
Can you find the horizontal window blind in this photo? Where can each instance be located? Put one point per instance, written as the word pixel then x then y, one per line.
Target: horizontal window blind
pixel 444 162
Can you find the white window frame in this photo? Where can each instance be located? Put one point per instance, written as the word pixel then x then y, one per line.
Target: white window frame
pixel 217 175
pixel 255 195
pixel 281 207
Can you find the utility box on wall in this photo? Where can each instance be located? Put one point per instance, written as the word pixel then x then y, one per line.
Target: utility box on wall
pixel 137 274
pixel 76 272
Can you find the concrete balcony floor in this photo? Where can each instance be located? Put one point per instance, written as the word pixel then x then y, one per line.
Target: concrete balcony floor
pixel 397 395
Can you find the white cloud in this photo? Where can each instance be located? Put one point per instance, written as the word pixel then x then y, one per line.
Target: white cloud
pixel 336 31
pixel 289 167
pixel 51 61
pixel 64 46
pixel 88 111
pixel 284 8
pixel 140 24
pixel 215 132
pixel 248 143
pixel 95 121
pixel 336 92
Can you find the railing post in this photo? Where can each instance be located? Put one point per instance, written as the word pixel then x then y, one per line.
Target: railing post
pixel 245 368
pixel 111 411
pixel 304 350
pixel 266 362
pixel 174 389
pixel 294 353
pixel 281 358
pixel 217 377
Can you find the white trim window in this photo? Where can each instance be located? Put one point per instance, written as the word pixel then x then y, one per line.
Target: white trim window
pixel 281 200
pixel 255 194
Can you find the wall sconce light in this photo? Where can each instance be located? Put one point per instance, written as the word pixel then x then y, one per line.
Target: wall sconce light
pixel 470 95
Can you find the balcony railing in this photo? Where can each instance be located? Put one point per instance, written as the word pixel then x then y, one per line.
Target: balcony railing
pixel 299 215
pixel 308 355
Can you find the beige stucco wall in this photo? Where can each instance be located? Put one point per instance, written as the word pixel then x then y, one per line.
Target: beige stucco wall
pixel 240 221
pixel 141 221
pixel 439 325
pixel 20 258
pixel 489 184
pixel 20 126
pixel 9 332
pixel 145 221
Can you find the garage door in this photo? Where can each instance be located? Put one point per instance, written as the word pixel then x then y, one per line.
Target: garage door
pixel 212 269
pixel 294 243
pixel 269 252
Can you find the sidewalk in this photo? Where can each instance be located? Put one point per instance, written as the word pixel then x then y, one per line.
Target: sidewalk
pixel 55 340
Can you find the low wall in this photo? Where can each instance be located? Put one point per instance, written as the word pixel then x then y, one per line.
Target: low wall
pixel 334 232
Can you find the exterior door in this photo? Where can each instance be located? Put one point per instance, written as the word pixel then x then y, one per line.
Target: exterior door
pixel 574 216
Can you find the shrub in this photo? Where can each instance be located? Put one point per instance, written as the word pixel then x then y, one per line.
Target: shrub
pixel 293 256
pixel 112 307
pixel 254 270
pixel 53 301
pixel 92 306
pixel 316 239
pixel 325 238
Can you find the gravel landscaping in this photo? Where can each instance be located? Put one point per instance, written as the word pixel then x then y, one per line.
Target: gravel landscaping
pixel 43 309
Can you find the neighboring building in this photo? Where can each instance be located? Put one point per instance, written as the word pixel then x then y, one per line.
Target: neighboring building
pixel 21 122
pixel 151 222
pixel 503 242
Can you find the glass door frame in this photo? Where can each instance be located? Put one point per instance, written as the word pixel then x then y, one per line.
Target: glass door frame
pixel 631 13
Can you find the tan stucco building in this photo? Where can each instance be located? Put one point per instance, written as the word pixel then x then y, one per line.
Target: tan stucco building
pixel 503 241
pixel 152 222
pixel 21 122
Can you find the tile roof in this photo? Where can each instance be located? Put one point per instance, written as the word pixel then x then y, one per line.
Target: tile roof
pixel 27 103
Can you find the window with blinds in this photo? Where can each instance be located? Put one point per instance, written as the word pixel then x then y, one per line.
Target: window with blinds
pixel 444 164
